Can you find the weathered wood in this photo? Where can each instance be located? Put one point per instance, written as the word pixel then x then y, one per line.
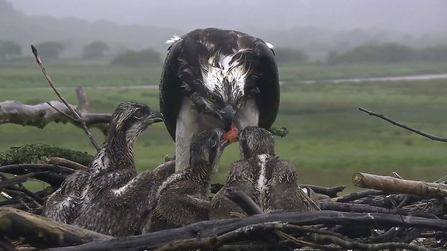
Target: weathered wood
pixel 12 111
pixel 399 186
pixel 329 191
pixel 243 201
pixel 42 232
pixel 82 99
pixel 218 227
pixel 356 196
pixel 67 163
pixel 360 208
pixel 49 173
pixel 16 180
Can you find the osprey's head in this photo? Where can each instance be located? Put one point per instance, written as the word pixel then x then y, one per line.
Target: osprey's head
pixel 226 83
pixel 254 141
pixel 129 120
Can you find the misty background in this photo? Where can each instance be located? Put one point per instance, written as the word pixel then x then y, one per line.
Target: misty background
pixel 115 50
pixel 315 27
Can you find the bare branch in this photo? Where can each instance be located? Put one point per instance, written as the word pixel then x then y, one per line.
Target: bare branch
pixel 356 195
pixel 40 115
pixel 363 246
pixel 329 191
pixel 82 99
pixel 432 137
pixel 42 232
pixel 394 185
pixel 63 113
pixel 67 163
pixel 81 121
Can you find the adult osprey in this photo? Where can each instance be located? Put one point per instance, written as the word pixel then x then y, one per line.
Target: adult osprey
pixel 217 78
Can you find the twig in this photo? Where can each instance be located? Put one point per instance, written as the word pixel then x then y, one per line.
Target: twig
pixel 36 200
pixel 329 191
pixel 6 245
pixel 243 201
pixel 357 245
pixel 309 200
pixel 19 169
pixel 249 207
pixel 67 163
pixel 355 196
pixel 78 117
pixel 361 208
pixel 5 182
pixel 82 99
pixel 54 177
pixel 432 137
pixel 61 112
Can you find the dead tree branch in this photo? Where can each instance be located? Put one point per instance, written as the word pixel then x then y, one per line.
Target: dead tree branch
pixel 42 232
pixel 356 195
pixel 394 185
pixel 67 163
pixel 432 137
pixel 363 246
pixel 79 119
pixel 12 111
pixel 210 228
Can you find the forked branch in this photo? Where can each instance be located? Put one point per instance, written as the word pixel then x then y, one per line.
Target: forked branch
pixel 432 137
pixel 78 118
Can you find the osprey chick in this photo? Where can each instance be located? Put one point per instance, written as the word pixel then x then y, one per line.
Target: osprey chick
pixel 269 182
pixel 184 197
pixel 109 197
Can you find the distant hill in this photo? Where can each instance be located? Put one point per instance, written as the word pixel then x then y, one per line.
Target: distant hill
pixel 75 33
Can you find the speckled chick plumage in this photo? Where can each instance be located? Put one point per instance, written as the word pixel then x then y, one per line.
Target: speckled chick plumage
pixel 269 182
pixel 109 197
pixel 184 197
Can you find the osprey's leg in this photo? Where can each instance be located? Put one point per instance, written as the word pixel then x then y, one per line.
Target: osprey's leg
pixel 186 128
pixel 190 123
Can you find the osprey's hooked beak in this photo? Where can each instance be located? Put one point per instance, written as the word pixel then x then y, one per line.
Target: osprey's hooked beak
pixel 227 115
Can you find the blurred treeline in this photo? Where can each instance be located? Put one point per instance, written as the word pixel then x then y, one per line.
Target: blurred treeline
pixel 301 44
pixel 388 53
pixel 10 52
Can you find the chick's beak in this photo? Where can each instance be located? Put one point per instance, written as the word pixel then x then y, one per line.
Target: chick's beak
pixel 155 117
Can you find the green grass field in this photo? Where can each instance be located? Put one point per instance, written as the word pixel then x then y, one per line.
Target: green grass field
pixel 329 138
pixel 79 73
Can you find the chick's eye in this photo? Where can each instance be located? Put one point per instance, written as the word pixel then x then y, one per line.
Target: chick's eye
pixel 138 114
pixel 212 98
pixel 214 141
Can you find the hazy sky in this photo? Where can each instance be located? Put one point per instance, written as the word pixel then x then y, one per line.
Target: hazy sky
pixel 411 16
